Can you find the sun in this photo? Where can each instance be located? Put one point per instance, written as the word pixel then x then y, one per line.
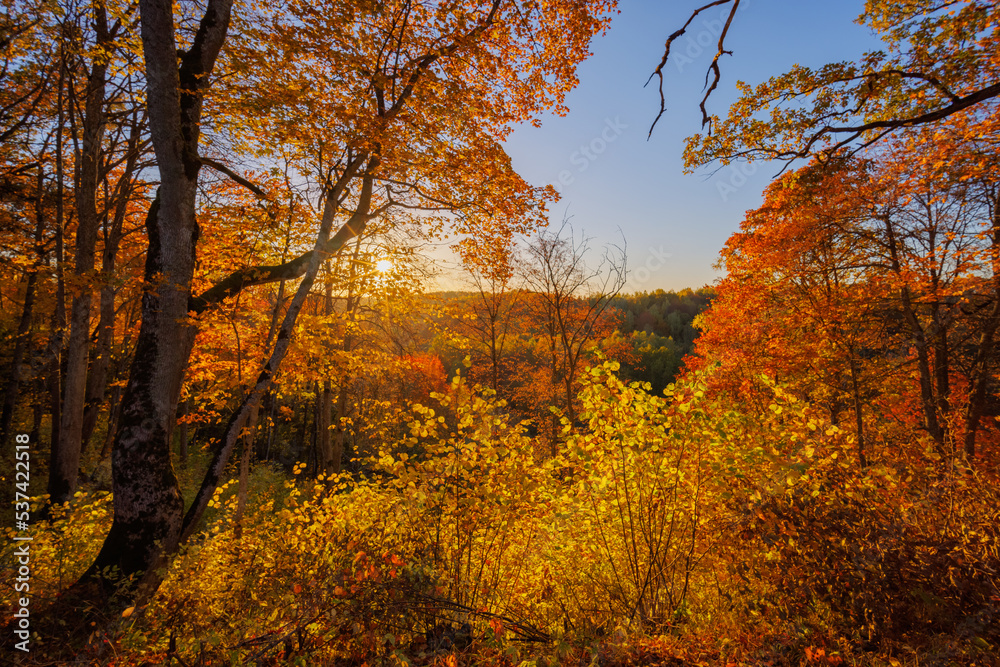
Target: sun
pixel 383 266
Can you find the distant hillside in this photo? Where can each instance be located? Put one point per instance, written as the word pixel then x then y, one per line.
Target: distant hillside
pixel 660 326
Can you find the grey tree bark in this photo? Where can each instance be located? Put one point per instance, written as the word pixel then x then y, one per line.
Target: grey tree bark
pixel 64 466
pixel 148 509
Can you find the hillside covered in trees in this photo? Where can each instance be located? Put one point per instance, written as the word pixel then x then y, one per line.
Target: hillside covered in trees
pixel 242 426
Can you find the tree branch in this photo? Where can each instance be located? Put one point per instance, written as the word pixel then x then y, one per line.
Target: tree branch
pixel 223 169
pixel 423 63
pixel 237 281
pixel 713 68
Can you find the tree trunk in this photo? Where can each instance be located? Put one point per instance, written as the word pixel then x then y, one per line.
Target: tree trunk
pixel 65 464
pixel 182 411
pixel 252 400
pixel 859 422
pixel 37 413
pixel 270 399
pixel 147 502
pixel 338 445
pixel 250 434
pixel 927 400
pixel 53 373
pixel 242 491
pixel 942 371
pixel 324 450
pixel 324 445
pixel 929 404
pixel 984 350
pixel 314 435
pixel 22 339
pixel 148 509
pixel 300 438
pixel 21 344
pixel 114 412
pixel 97 378
pixel 980 378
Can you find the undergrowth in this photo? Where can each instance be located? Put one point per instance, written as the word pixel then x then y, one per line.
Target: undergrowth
pixel 667 531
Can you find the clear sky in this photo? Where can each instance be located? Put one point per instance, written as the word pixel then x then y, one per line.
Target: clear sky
pixel 674 224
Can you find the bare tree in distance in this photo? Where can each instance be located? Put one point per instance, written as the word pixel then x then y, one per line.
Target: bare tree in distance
pixel 496 296
pixel 570 298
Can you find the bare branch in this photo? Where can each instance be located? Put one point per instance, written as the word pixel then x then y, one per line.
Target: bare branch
pixel 713 68
pixel 235 282
pixel 223 169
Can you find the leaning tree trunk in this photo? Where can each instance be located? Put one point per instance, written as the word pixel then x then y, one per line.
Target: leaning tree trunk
pixel 264 381
pixel 147 502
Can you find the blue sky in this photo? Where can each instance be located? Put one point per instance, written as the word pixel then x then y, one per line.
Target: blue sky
pixel 674 224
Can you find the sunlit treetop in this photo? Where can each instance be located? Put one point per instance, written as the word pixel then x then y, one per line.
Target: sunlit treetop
pixel 431 88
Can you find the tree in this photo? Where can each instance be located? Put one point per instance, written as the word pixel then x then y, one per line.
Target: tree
pixel 147 504
pixel 409 99
pixel 488 316
pixel 75 111
pixel 848 276
pixel 108 141
pixel 25 86
pixel 569 301
pixel 932 89
pixel 939 61
pixel 659 326
pixel 802 301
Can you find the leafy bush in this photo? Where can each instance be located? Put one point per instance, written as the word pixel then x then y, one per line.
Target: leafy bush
pixel 890 553
pixel 658 522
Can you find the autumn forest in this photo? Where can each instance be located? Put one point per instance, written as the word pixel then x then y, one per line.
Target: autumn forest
pixel 244 422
